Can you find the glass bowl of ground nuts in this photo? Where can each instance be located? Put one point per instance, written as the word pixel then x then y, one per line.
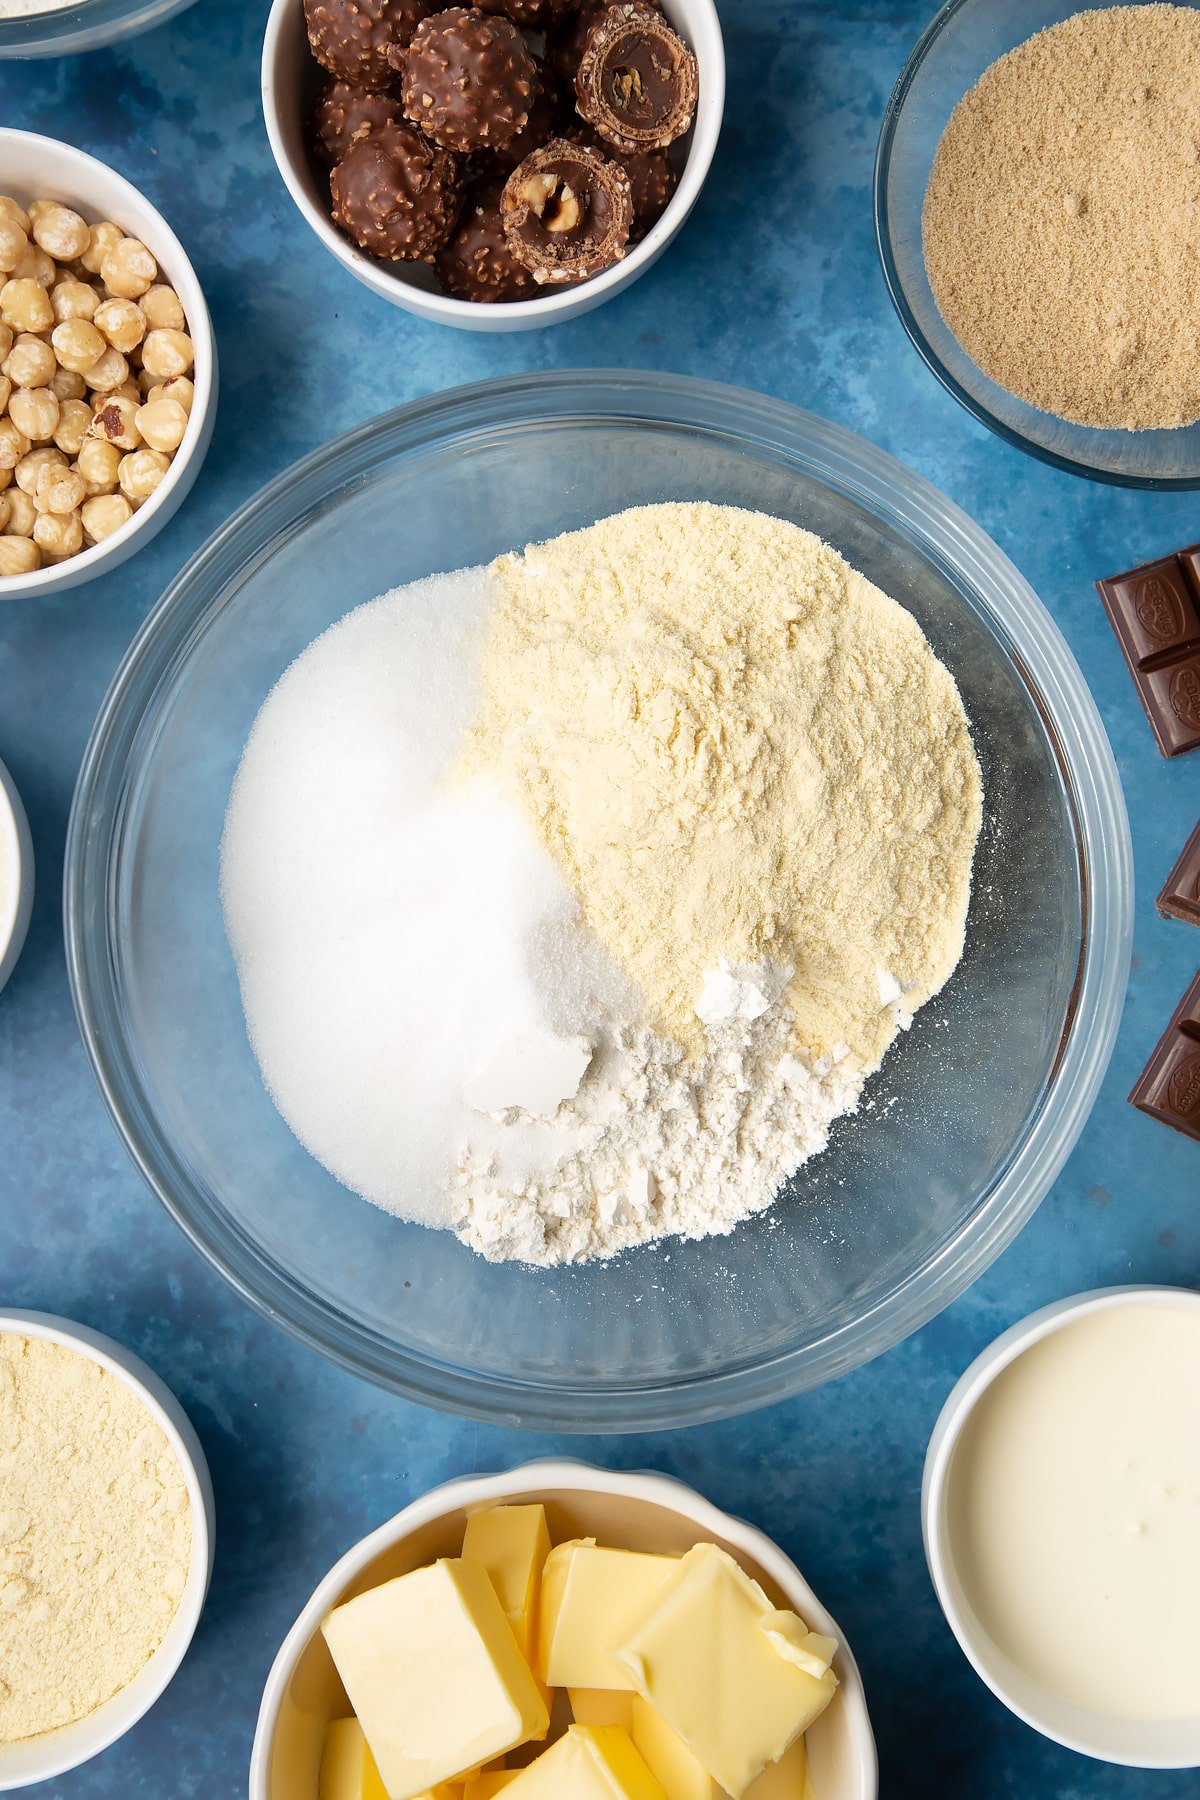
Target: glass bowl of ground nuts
pixel 108 374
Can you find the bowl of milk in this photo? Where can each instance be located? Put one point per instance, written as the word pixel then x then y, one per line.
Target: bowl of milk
pixel 1061 1512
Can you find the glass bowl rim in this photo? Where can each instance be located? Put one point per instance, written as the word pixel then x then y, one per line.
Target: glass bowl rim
pixel 850 465
pixel 73 30
pixel 897 101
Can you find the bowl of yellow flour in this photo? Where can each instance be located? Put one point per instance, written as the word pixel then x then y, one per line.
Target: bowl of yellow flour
pixel 635 827
pixel 106 1536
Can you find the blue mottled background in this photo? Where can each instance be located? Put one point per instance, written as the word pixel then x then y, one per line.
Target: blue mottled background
pixel 306 1458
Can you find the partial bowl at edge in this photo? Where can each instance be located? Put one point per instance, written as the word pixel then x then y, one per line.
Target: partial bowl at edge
pixel 291 79
pixel 635 1511
pixel 41 1759
pixel 35 167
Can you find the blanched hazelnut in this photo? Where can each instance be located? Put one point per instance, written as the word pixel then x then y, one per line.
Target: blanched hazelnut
pixel 30 362
pixel 115 421
pixel 74 417
pixel 103 515
pixel 59 490
pixel 140 473
pixel 32 464
pixel 9 209
pixel 163 309
pixel 58 535
pixel 176 387
pixel 13 445
pixel 34 411
pixel 107 372
pixel 19 556
pixel 12 243
pixel 167 353
pixel 73 299
pixel 128 270
pixel 162 423
pixel 21 512
pixel 25 305
pixel 104 237
pixel 59 231
pixel 35 265
pixel 65 384
pixel 99 463
pixel 123 324
pixel 78 345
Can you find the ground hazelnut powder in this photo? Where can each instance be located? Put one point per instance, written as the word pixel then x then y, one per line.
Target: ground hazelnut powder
pixel 1062 219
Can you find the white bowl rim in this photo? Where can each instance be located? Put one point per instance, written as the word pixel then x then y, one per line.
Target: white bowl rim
pixel 15 836
pixel 90 562
pixel 545 309
pixel 559 1474
pixel 959 1405
pixel 71 1745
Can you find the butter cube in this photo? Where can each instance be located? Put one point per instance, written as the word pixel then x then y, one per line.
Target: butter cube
pixel 589 1596
pixel 488 1783
pixel 592 1762
pixel 709 1655
pixel 434 1675
pixel 512 1543
pixel 601 1706
pixel 787 1779
pixel 678 1770
pixel 348 1769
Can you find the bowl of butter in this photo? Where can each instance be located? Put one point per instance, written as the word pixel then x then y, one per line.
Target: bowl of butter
pixel 559 1629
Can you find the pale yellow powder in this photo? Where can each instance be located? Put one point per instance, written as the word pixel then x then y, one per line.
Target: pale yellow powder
pixel 1062 218
pixel 95 1536
pixel 736 747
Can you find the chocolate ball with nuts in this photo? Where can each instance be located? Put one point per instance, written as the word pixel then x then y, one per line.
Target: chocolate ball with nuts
pixel 637 81
pixel 469 80
pixel 478 263
pixel 530 15
pixel 549 116
pixel 351 38
pixel 343 114
pixel 567 212
pixel 396 194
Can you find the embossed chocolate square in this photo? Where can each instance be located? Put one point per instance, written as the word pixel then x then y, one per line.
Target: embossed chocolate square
pixel 1155 612
pixel 1169 1086
pixel 1180 896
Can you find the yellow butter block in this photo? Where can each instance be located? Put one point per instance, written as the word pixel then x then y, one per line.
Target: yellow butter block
pixel 488 1782
pixel 589 1596
pixel 787 1779
pixel 591 1762
pixel 709 1655
pixel 348 1769
pixel 512 1543
pixel 678 1770
pixel 601 1706
pixel 434 1674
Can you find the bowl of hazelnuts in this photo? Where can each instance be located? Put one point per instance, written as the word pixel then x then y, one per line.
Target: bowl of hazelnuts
pixel 108 371
pixel 495 166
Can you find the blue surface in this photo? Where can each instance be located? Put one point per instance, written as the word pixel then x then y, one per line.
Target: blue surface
pixel 306 1459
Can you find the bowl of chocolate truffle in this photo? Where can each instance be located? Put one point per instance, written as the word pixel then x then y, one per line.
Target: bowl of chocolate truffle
pixel 496 166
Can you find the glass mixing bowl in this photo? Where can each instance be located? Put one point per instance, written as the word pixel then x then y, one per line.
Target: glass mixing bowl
pixel 962 41
pixel 87 25
pixel 973 1111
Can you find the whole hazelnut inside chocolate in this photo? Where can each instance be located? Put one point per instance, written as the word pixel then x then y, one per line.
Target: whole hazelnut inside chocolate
pixel 567 212
pixel 469 80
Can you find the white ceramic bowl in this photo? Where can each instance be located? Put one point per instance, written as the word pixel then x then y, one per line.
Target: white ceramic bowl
pixel 652 1512
pixel 42 168
pixel 16 875
pixel 1169 1744
pixel 43 1758
pixel 291 80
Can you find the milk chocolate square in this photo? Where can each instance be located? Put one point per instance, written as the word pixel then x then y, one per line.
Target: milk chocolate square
pixel 1180 897
pixel 1169 1086
pixel 1155 612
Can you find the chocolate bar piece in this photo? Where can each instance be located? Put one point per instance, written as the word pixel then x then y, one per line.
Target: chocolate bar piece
pixel 1155 612
pixel 1180 898
pixel 1169 1085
